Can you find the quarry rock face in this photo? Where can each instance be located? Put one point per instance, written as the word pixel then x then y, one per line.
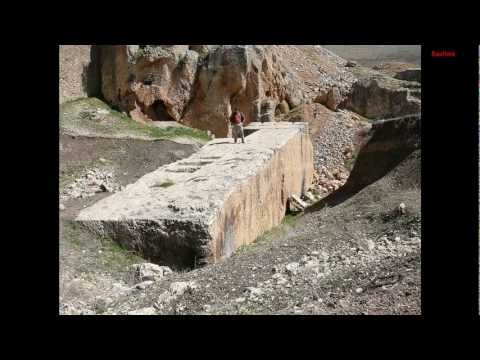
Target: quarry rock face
pixel 149 83
pixel 200 209
pixel 79 77
pixel 377 98
pixel 198 85
pixel 247 78
pixel 410 75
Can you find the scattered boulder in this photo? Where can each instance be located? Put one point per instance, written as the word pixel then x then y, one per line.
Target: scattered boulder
pixel 89 183
pixel 302 113
pixel 333 98
pixel 143 311
pixel 292 268
pixel 309 196
pixel 350 63
pixel 267 111
pixel 370 244
pixel 180 287
pixel 102 303
pixel 294 98
pixel 410 75
pixel 253 292
pixel 143 285
pixel 283 107
pixel 150 272
pixel 175 290
pixel 202 50
pixel 321 97
pixel 61 207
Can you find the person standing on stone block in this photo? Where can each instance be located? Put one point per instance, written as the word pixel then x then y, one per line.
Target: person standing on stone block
pixel 236 119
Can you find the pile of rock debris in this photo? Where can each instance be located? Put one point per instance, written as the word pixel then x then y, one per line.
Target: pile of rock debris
pixel 93 181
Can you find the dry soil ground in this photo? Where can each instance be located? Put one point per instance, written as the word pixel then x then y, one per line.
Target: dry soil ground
pixel 360 257
pixel 370 55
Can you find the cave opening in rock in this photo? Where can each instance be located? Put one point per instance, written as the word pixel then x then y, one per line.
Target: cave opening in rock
pixel 159 112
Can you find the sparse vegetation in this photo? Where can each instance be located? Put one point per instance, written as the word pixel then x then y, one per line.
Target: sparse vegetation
pixel 72 172
pixel 164 184
pixel 96 254
pixel 92 117
pixel 275 233
pixel 349 163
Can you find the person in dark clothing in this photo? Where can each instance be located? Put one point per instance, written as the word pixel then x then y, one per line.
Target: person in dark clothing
pixel 236 119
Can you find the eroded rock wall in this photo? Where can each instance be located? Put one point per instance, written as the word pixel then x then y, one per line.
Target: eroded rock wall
pixel 79 74
pixel 244 77
pixel 200 85
pixel 151 83
pixel 197 85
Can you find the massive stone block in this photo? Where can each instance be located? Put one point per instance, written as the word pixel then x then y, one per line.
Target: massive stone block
pixel 200 209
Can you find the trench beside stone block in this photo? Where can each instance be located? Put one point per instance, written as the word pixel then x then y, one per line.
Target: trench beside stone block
pixel 200 209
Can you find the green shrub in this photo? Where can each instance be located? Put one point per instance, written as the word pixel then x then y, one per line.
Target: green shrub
pixel 164 184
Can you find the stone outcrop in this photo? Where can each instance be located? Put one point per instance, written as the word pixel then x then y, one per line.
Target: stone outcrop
pixel 248 78
pixel 380 98
pixel 200 209
pixel 322 97
pixel 198 85
pixel 302 113
pixel 410 75
pixel 379 150
pixel 150 83
pixel 331 98
pixel 282 108
pixel 149 272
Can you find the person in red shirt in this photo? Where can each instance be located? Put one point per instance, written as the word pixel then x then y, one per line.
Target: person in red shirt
pixel 236 119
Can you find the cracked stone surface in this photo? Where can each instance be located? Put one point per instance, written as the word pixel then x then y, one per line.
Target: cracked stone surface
pixel 200 209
